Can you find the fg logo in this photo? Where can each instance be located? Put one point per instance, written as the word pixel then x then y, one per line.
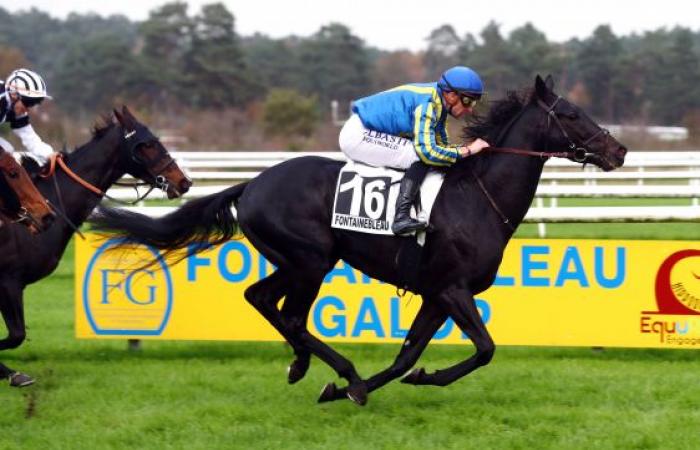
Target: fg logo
pixel 122 296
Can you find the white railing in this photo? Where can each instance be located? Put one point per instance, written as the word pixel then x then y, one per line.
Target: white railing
pixel 645 175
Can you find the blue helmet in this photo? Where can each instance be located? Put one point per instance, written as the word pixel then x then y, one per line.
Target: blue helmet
pixel 461 79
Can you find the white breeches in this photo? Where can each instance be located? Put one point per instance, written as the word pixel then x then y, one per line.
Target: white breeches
pixel 375 148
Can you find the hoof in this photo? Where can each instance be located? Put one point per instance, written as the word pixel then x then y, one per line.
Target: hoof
pixel 19 379
pixel 414 377
pixel 328 393
pixel 357 393
pixel 297 370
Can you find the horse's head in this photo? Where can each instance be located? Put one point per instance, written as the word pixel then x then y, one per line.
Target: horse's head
pixel 568 128
pixel 147 159
pixel 20 200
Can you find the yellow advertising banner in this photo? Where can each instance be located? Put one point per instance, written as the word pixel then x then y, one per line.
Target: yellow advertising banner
pixel 548 292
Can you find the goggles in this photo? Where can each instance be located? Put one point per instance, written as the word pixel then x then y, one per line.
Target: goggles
pixel 31 101
pixel 468 100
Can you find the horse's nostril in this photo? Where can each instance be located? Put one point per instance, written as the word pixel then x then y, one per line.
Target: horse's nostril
pixel 185 185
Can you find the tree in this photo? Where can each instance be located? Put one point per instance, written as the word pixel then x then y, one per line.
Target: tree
pixel 217 72
pixel 395 68
pixel 532 54
pixel 167 39
pixel 290 114
pixel 680 64
pixel 494 61
pixel 274 62
pixel 598 66
pixel 11 58
pixel 335 65
pixel 94 72
pixel 442 52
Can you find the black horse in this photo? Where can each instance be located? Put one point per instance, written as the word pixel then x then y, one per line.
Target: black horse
pixel 75 188
pixel 286 214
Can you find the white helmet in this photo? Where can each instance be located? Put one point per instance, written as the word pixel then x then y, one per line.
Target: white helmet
pixel 26 83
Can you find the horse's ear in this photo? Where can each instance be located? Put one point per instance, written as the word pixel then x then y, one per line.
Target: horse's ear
pixel 125 118
pixel 127 113
pixel 119 116
pixel 549 82
pixel 541 88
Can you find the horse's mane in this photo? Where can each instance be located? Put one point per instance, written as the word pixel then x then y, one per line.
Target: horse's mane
pixel 489 126
pixel 102 125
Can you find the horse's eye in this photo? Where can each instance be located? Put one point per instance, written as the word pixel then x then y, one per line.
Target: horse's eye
pixel 572 115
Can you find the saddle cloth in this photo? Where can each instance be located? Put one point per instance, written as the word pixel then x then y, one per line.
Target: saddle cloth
pixel 365 198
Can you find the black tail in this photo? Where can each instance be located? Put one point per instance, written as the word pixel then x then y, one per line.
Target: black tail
pixel 207 220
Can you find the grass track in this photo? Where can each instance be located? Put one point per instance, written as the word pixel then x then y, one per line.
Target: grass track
pixel 203 395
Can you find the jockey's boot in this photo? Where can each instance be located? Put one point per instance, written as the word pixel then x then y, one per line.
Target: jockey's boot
pixel 404 224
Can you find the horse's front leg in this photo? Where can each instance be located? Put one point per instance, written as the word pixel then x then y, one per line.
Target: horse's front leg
pixel 428 320
pixel 459 303
pixel 12 309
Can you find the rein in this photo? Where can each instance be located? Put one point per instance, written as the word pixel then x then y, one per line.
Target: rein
pixel 56 159
pixel 578 153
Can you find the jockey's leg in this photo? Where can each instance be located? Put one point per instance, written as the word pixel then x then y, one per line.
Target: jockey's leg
pixel 374 148
pixel 382 150
pixel 404 224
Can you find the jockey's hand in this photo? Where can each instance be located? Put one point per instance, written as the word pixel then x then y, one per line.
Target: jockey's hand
pixel 473 148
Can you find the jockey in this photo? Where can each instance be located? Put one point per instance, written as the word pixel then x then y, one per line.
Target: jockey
pixel 23 90
pixel 404 128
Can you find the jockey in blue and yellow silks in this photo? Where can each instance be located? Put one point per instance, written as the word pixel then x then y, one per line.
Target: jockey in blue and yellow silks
pixel 404 128
pixel 411 110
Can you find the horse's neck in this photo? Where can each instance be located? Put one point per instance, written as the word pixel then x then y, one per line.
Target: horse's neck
pixel 512 179
pixel 98 164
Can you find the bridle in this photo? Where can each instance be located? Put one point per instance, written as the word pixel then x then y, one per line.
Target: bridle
pixel 576 152
pixel 141 136
pixel 133 139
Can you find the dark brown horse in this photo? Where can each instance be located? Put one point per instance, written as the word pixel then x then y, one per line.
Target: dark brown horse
pixel 286 214
pixel 76 186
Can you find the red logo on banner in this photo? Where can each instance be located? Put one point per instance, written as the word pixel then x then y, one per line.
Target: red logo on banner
pixel 678 291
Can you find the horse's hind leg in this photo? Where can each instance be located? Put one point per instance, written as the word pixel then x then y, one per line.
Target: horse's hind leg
pixel 459 304
pixel 302 288
pixel 303 294
pixel 427 321
pixel 295 313
pixel 265 294
pixel 12 309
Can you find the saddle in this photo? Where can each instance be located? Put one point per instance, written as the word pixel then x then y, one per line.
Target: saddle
pixel 364 202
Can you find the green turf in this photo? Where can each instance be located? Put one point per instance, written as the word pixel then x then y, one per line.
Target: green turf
pixel 209 395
